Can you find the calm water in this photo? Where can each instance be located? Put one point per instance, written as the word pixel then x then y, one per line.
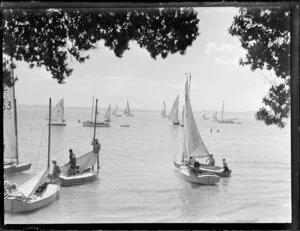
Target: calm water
pixel 138 181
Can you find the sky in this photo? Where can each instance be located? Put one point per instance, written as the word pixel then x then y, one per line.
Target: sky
pixel 212 61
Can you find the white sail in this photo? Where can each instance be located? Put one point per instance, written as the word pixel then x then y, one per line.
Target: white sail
pixel 115 111
pixel 192 144
pixel 29 187
pixel 9 125
pixel 174 111
pixel 58 111
pixel 84 162
pixel 108 113
pixel 163 112
pixel 128 108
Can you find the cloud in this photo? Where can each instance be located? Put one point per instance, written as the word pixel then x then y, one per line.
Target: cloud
pixel 212 48
pixel 226 62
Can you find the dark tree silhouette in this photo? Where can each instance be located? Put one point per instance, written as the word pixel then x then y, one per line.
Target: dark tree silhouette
pixel 265 35
pixel 50 37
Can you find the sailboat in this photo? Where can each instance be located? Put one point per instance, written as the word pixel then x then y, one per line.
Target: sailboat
pixel 174 112
pixel 127 110
pixel 37 192
pixel 107 115
pixel 182 118
pixel 117 111
pixel 163 111
pixel 85 163
pixel 58 114
pixel 90 123
pixel 223 121
pixel 193 146
pixel 10 133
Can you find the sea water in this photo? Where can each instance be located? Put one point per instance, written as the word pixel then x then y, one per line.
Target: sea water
pixel 138 181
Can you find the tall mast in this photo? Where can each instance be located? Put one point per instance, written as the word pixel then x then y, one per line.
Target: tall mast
pixel 92 110
pixel 95 119
pixel 222 110
pixel 15 108
pixel 49 134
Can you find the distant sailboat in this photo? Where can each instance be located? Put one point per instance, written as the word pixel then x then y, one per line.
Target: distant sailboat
pixel 10 133
pixel 85 163
pixel 35 193
pixel 107 115
pixel 174 112
pixel 58 114
pixel 225 121
pixel 182 118
pixel 90 123
pixel 117 111
pixel 127 110
pixel 193 146
pixel 163 111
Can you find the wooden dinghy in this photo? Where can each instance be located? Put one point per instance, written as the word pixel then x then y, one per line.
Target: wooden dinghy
pixel 35 193
pixel 15 167
pixel 98 124
pixel 124 125
pixel 219 171
pixel 84 165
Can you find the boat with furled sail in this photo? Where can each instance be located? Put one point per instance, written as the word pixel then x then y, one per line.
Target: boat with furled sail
pixel 10 131
pixel 35 193
pixel 174 112
pixel 116 112
pixel 193 146
pixel 90 123
pixel 58 114
pixel 85 163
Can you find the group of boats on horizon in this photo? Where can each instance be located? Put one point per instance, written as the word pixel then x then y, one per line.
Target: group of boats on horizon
pixel 175 119
pixel 42 189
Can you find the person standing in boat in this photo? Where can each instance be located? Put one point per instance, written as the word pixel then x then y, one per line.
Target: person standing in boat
pixel 72 162
pixel 56 170
pixel 225 166
pixel 96 149
pixel 211 160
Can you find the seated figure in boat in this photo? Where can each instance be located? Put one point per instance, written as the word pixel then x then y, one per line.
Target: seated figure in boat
pixel 9 187
pixel 96 149
pixel 211 160
pixel 192 161
pixel 72 157
pixel 41 189
pixel 195 170
pixel 56 171
pixel 225 166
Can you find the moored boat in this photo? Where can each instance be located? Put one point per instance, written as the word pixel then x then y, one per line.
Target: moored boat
pixel 10 132
pixel 84 163
pixel 58 114
pixel 35 193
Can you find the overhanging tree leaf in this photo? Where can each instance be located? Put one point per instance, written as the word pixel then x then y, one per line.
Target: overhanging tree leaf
pixel 50 37
pixel 265 35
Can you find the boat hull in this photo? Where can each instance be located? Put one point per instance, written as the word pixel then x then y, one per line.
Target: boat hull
pixel 85 124
pixel 78 179
pixel 12 168
pixel 200 178
pixel 125 125
pixel 58 124
pixel 118 115
pixel 219 171
pixel 21 205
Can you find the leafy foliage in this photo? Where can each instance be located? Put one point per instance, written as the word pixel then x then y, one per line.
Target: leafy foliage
pixel 265 35
pixel 50 37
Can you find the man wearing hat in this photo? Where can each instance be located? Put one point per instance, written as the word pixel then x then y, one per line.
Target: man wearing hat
pixel 96 149
pixel 56 170
pixel 72 162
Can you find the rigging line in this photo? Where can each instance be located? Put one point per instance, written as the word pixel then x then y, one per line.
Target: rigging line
pixel 38 156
